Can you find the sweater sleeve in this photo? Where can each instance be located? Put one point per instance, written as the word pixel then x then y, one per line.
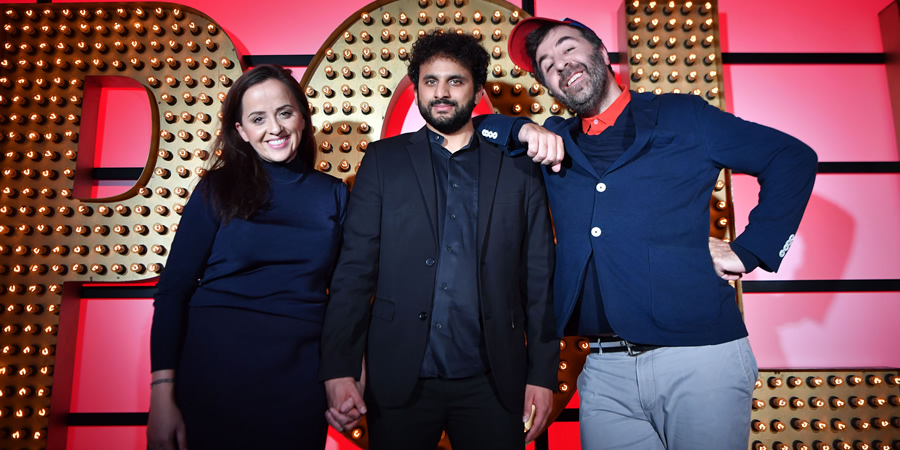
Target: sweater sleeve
pixel 184 267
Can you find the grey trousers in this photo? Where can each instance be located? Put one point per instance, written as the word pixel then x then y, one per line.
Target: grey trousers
pixel 673 398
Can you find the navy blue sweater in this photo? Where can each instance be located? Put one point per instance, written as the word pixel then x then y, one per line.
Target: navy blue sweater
pixel 278 262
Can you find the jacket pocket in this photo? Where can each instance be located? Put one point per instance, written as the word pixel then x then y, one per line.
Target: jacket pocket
pixel 383 309
pixel 684 288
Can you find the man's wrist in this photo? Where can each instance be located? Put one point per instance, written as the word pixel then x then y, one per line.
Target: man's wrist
pixel 517 128
pixel 749 260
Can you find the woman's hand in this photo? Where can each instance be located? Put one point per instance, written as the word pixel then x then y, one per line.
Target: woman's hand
pixel 165 427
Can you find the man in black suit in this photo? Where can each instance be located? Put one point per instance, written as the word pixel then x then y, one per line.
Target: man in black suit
pixel 456 237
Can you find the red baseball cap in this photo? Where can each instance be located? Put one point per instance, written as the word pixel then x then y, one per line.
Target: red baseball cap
pixel 520 33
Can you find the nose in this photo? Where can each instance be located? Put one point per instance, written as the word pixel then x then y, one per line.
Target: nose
pixel 442 90
pixel 274 127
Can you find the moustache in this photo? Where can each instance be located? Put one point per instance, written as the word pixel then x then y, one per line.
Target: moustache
pixel 442 101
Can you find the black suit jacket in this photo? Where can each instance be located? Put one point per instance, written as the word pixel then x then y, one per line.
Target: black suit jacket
pixel 391 243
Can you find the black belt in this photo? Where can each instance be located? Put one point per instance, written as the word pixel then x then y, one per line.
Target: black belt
pixel 615 344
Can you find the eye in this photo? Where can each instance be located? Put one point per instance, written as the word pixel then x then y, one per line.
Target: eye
pixel 570 49
pixel 286 113
pixel 256 120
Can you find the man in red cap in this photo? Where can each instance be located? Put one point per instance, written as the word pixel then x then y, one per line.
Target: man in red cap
pixel 637 273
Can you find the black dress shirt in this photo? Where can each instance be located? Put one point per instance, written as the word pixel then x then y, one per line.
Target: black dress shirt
pixel 456 346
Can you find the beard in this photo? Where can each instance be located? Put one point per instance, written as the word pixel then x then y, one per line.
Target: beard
pixel 447 124
pixel 585 101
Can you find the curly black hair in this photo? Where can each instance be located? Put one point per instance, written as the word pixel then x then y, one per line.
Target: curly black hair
pixel 460 47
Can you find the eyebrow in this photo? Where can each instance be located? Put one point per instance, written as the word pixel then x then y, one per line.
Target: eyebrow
pixel 280 108
pixel 558 42
pixel 453 76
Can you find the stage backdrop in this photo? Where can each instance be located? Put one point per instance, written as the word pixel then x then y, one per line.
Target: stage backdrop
pixel 814 69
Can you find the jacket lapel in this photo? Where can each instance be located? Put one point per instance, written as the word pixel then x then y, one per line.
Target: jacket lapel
pixel 420 157
pixel 572 149
pixel 645 113
pixel 489 158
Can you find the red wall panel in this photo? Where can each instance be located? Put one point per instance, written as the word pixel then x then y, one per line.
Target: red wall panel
pixel 826 26
pixel 849 230
pixel 852 122
pixel 112 362
pixel 823 330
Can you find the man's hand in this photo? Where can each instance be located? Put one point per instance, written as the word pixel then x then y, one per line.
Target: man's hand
pixel 727 264
pixel 346 406
pixel 544 147
pixel 542 399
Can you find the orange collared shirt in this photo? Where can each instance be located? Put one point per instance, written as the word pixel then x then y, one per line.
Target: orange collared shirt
pixel 596 124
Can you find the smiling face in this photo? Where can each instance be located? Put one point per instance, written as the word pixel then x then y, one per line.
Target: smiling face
pixel 573 70
pixel 446 94
pixel 271 121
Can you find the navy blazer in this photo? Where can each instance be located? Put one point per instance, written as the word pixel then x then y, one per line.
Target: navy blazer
pixel 646 219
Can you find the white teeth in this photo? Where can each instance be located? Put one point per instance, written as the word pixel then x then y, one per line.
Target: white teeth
pixel 277 142
pixel 573 79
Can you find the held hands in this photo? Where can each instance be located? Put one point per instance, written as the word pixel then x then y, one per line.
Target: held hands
pixel 726 262
pixel 538 403
pixel 346 406
pixel 165 427
pixel 544 147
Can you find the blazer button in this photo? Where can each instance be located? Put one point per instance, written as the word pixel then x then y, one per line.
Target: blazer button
pixel 429 262
pixel 422 315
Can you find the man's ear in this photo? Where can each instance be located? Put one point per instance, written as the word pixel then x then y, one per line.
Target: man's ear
pixel 479 94
pixel 604 54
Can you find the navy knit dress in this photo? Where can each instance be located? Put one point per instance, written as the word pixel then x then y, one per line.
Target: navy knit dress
pixel 239 310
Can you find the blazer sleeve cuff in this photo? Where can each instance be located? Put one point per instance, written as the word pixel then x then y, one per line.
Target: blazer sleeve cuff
pixel 749 260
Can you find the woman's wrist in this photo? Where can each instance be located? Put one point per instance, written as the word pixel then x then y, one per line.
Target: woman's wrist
pixel 162 381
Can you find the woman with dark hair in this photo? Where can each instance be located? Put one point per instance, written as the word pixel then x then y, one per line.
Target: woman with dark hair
pixel 239 309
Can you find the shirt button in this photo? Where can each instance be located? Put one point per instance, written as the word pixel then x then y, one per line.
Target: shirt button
pixel 595 232
pixel 444 286
pixel 438 326
pixel 601 187
pixel 596 121
pixel 454 185
pixel 429 262
pixel 452 216
pixel 423 315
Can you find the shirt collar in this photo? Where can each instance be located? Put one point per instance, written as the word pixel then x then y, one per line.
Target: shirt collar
pixel 436 140
pixel 595 125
